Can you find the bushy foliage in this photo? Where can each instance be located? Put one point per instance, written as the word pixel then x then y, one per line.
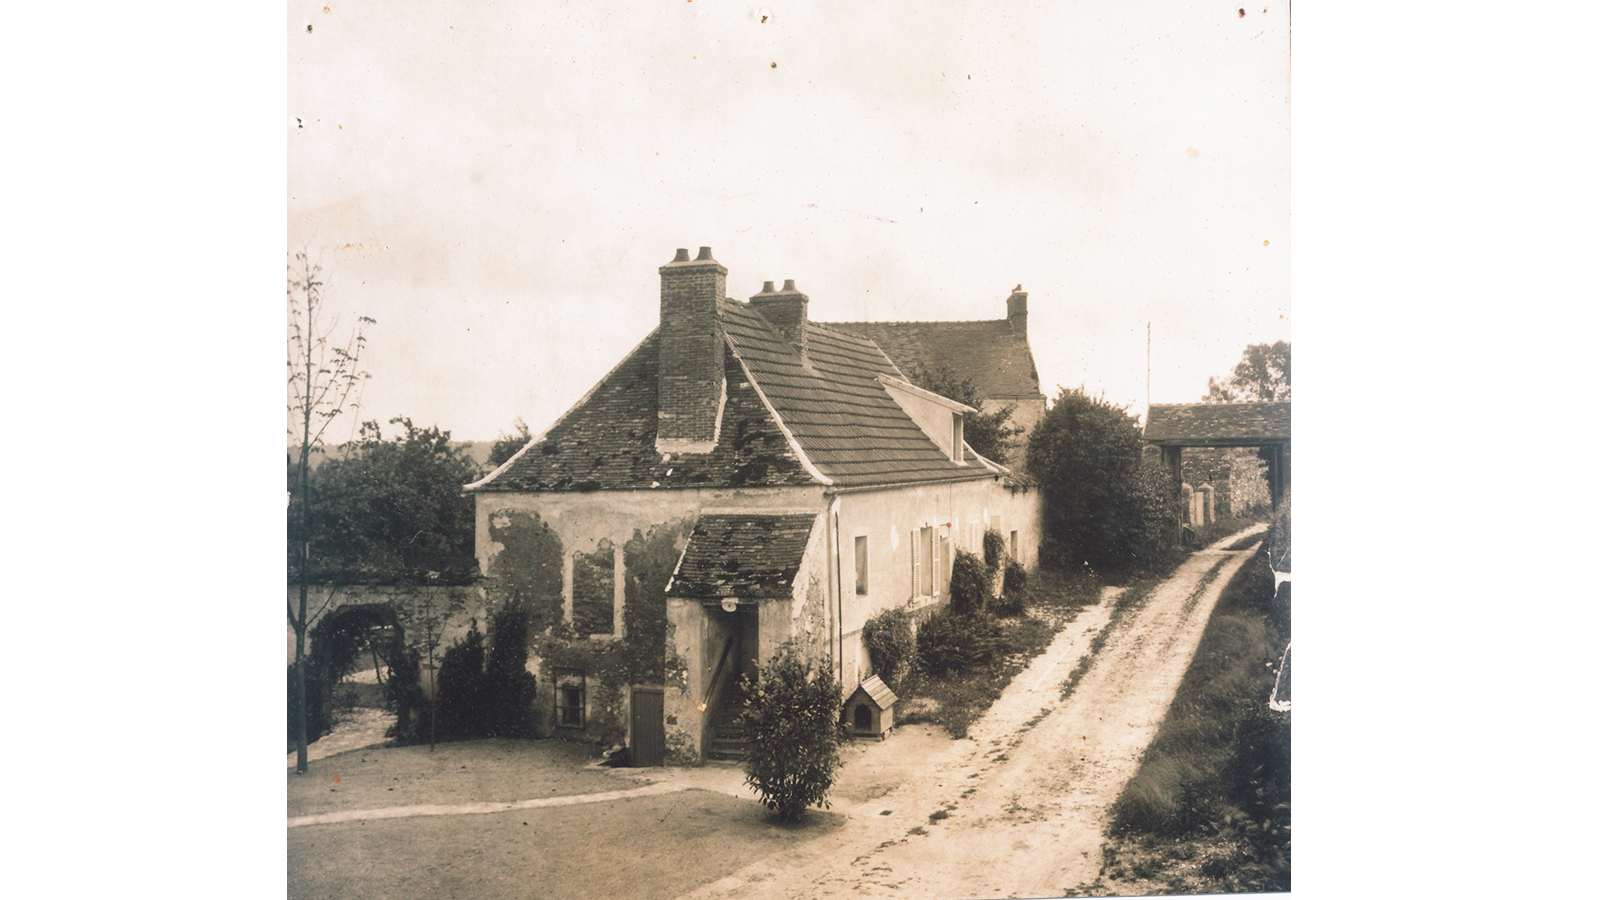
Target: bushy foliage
pixel 990 434
pixel 1014 595
pixel 1016 577
pixel 1100 510
pixel 460 687
pixel 969 584
pixel 892 643
pixel 1158 516
pixel 950 641
pixel 486 690
pixel 509 689
pixel 994 548
pixel 388 511
pixel 791 719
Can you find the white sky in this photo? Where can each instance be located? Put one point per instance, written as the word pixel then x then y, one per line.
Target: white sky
pixel 498 185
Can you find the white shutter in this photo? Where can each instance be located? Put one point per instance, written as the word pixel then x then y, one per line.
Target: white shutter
pixel 937 538
pixel 916 563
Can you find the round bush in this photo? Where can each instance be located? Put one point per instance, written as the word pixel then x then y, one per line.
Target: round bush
pixel 892 644
pixel 969 584
pixel 791 720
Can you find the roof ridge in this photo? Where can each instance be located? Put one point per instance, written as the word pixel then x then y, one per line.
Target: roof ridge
pixel 922 322
pixel 1223 403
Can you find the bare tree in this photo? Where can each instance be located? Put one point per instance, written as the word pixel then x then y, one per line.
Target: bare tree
pixel 324 382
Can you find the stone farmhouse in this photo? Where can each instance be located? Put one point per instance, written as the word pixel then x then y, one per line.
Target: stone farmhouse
pixel 743 478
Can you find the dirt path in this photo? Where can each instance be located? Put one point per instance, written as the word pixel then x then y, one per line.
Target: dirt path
pixel 1018 808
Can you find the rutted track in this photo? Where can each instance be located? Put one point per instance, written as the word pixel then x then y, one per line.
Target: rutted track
pixel 1018 809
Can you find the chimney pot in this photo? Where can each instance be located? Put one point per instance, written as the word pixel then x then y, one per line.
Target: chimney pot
pixel 683 255
pixel 766 287
pixel 788 284
pixel 705 254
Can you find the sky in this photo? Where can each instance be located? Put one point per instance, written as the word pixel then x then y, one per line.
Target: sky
pixel 496 186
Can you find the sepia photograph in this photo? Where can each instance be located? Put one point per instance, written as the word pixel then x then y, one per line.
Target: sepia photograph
pixel 791 451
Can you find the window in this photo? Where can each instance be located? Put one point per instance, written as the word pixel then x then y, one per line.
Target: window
pixel 928 545
pixel 1013 545
pixel 861 564
pixel 569 698
pixel 957 450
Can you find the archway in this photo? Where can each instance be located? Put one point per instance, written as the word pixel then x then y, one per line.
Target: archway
pixel 356 651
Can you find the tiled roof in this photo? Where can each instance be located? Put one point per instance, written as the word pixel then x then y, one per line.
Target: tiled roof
pixel 840 415
pixel 1218 424
pixel 742 555
pixel 607 442
pixel 985 353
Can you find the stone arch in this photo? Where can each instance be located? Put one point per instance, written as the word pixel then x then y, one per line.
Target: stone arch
pixel 336 640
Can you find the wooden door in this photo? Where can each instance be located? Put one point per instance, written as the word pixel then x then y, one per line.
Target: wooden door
pixel 649 729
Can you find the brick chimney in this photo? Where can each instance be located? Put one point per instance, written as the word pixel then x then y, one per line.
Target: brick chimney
pixel 1017 312
pixel 786 310
pixel 691 389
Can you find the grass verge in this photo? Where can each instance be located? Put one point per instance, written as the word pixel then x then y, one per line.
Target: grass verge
pixel 1208 810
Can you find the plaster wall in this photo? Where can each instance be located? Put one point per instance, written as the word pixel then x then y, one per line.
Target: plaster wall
pixel 888 520
pixel 526 545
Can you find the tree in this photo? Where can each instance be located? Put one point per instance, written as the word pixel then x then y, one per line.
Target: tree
pixel 1098 507
pixel 792 722
pixel 392 511
pixel 509 444
pixel 323 381
pixel 990 434
pixel 1263 374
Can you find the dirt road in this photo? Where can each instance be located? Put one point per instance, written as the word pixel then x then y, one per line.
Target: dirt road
pixel 1018 808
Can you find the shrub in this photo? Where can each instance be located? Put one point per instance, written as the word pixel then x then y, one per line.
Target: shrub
pixel 509 689
pixel 460 687
pixel 891 643
pixel 969 583
pixel 994 548
pixel 950 641
pixel 1016 577
pixel 1015 598
pixel 791 720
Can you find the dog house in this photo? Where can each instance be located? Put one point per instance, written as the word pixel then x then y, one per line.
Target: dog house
pixel 870 710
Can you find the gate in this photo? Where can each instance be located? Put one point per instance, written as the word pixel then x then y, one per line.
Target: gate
pixel 648 728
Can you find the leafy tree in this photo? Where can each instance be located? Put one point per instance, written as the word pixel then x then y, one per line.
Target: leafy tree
pixel 322 385
pixel 392 511
pixel 1263 374
pixel 1097 505
pixel 991 434
pixel 792 723
pixel 508 444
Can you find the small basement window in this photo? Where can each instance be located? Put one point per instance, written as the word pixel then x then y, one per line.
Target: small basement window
pixel 569 698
